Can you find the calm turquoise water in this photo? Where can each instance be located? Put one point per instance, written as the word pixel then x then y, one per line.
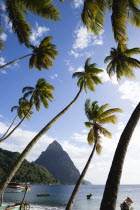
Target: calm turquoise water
pixel 60 194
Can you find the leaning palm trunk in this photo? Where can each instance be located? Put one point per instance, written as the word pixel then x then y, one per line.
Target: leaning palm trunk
pixel 9 127
pixel 23 155
pixel 7 136
pixel 77 186
pixel 112 185
pixel 18 59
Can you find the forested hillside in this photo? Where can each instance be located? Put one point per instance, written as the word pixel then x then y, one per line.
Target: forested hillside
pixel 28 172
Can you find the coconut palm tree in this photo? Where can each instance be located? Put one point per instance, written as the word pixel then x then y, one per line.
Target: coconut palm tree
pixel 113 181
pixel 92 73
pixel 121 63
pixel 97 116
pixel 17 11
pixel 41 93
pixel 41 56
pixel 122 12
pixel 23 110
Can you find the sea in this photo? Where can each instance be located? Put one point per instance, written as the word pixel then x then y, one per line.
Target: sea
pixel 59 196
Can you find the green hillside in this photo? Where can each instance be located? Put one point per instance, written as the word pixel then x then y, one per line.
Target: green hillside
pixel 28 172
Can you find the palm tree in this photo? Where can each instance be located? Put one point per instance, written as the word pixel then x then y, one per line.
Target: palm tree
pixel 23 110
pixel 113 181
pixel 23 155
pixel 122 12
pixel 97 115
pixel 121 63
pixel 40 94
pixel 17 11
pixel 41 56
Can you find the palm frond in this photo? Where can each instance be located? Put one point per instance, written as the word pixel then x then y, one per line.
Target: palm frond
pixel 93 15
pixel 42 8
pixel 105 132
pixel 19 25
pixel 90 137
pixel 110 119
pixel 132 51
pixel 108 112
pixel 14 108
pixel 28 88
pixel 99 146
pixel 88 124
pixel 119 20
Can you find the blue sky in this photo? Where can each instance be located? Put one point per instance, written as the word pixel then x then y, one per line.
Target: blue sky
pixel 74 45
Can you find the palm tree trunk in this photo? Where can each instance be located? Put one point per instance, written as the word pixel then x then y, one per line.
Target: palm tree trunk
pixel 77 186
pixel 23 155
pixel 5 137
pixel 9 127
pixel 7 64
pixel 112 185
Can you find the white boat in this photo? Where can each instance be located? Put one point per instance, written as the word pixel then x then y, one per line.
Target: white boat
pixel 17 190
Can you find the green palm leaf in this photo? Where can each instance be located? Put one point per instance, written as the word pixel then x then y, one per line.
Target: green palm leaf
pixel 88 124
pixel 90 137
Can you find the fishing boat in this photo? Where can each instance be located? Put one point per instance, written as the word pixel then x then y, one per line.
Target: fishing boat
pixel 16 207
pixel 89 196
pixel 9 190
pixel 19 205
pixel 43 195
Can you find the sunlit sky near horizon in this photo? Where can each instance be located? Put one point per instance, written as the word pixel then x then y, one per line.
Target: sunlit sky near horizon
pixel 74 46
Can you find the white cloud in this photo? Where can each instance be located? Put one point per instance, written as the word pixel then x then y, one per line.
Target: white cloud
pixel 2 61
pixel 72 69
pixel 131 91
pixel 84 38
pixel 3 36
pixel 37 34
pixel 54 76
pixel 8 24
pixel 78 3
pixel 76 54
pixel 3 7
pixel 79 137
pixel 3 72
pixel 1 116
pixel 19 140
pixel 105 78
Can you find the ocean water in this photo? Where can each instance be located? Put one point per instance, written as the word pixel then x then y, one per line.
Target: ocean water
pixel 59 196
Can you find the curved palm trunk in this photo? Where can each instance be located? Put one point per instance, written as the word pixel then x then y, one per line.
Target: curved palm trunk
pixel 23 155
pixel 7 64
pixel 77 186
pixel 5 137
pixel 112 185
pixel 9 127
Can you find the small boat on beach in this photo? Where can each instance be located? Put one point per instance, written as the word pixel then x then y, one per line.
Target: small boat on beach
pixel 13 190
pixel 15 207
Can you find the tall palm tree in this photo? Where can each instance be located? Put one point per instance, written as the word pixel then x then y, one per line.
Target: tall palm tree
pixel 41 56
pixel 23 155
pixel 97 115
pixel 17 11
pixel 41 93
pixel 113 181
pixel 23 111
pixel 121 63
pixel 122 12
